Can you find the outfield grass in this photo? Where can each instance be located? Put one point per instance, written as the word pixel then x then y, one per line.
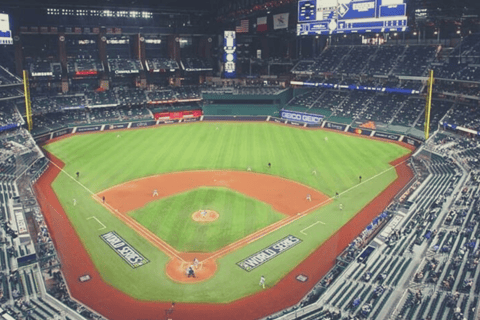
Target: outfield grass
pixel 104 160
pixel 239 216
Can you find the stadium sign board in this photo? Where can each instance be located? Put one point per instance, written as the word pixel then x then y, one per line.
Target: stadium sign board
pixel 124 250
pixel 268 253
pixel 5 32
pixel 350 16
pixel 301 116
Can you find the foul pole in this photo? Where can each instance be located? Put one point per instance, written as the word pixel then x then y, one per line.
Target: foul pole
pixel 428 104
pixel 28 102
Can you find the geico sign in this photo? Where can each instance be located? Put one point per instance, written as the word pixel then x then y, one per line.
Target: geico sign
pixel 300 117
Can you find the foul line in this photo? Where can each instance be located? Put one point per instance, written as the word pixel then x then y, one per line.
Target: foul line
pixel 301 231
pixel 143 231
pixel 233 246
pixel 93 217
pixel 126 219
pixel 84 187
pixel 263 232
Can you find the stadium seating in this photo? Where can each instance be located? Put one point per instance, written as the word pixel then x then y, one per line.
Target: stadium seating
pixel 422 244
pixel 7 78
pixel 84 66
pixel 354 62
pixel 121 66
pixel 465 115
pixel 195 64
pixel 415 61
pixel 161 64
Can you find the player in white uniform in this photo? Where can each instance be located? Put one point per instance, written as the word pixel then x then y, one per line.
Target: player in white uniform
pixel 309 197
pixel 262 282
pixel 155 193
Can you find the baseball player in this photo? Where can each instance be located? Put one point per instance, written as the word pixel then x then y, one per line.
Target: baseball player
pixel 155 193
pixel 103 199
pixel 195 263
pixel 74 202
pixel 204 213
pixel 309 197
pixel 262 282
pixel 191 272
pixel 341 206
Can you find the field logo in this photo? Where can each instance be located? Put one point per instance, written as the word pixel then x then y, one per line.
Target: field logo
pixel 267 254
pixel 124 250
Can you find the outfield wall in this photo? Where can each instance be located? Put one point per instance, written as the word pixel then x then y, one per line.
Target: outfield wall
pixel 241 110
pixel 413 141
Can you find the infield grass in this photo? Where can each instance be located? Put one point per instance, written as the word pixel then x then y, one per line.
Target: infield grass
pixel 104 160
pixel 171 218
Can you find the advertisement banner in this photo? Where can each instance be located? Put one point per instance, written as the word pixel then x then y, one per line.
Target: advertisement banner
pixel 61 132
pixel 177 114
pixel 363 132
pixel 168 121
pixel 335 126
pixel 388 136
pixel 42 139
pixel 294 123
pixel 87 129
pixel 143 124
pixel 412 141
pixel 301 116
pixel 116 126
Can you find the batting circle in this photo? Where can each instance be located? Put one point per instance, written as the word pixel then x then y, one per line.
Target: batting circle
pixel 208 216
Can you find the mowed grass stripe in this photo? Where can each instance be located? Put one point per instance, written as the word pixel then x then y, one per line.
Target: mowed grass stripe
pixel 201 146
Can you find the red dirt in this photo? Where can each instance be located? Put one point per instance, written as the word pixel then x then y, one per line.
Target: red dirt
pixel 176 270
pixel 114 304
pixel 284 195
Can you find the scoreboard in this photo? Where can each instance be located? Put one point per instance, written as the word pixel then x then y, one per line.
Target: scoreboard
pixel 230 55
pixel 5 33
pixel 350 16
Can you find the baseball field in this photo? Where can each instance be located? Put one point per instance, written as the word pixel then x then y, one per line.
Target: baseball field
pixel 223 168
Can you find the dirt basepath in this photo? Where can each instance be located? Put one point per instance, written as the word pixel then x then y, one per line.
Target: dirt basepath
pixel 116 305
pixel 285 196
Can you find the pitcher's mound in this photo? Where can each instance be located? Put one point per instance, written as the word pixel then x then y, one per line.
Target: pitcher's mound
pixel 205 216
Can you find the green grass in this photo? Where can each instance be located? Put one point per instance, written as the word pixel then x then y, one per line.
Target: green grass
pixel 239 216
pixel 104 160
